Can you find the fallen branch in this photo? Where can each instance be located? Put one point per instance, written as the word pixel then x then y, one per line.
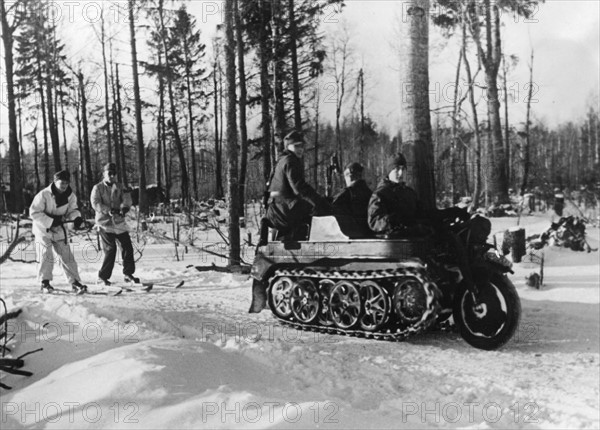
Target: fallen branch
pixel 16 241
pixel 226 269
pixel 10 315
pixel 29 353
pixel 11 365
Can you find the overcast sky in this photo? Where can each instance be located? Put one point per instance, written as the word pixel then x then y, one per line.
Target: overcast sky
pixel 564 34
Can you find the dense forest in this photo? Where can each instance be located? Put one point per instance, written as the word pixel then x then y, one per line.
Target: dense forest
pixel 210 117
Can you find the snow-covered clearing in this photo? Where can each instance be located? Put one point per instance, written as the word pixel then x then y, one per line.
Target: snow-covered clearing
pixel 194 358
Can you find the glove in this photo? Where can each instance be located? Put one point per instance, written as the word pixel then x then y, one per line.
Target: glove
pixel 78 222
pixel 115 211
pixel 124 210
pixel 56 221
pixel 450 214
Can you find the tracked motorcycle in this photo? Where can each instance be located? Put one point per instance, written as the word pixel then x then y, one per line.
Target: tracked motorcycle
pixel 388 287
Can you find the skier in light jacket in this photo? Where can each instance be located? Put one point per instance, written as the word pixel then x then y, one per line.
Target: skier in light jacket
pixel 111 204
pixel 49 210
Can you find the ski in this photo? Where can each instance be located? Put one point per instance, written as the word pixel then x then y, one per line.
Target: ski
pixel 167 285
pixel 143 287
pixel 149 285
pixel 116 289
pixel 61 291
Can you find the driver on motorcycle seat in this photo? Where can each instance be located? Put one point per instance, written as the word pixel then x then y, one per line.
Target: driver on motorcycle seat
pixel 395 210
pixel 394 206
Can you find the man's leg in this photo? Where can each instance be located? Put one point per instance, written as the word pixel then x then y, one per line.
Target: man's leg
pixel 45 258
pixel 300 219
pixel 126 253
pixel 67 261
pixel 109 247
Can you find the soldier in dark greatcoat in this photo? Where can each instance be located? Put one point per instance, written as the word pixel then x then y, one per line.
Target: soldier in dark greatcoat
pixel 292 200
pixel 394 206
pixel 352 202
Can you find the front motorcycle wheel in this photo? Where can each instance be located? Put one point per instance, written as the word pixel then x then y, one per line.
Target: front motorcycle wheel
pixel 489 320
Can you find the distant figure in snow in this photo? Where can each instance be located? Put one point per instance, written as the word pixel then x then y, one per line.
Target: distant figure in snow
pixel 559 202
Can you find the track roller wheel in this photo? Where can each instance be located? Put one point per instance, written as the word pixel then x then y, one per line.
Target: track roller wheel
pixel 325 288
pixel 345 304
pixel 376 305
pixel 279 299
pixel 410 300
pixel 304 301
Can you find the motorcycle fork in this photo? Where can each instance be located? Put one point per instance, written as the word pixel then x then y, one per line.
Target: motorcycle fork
pixel 465 268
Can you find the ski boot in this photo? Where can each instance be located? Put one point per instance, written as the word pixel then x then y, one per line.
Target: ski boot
pixel 79 288
pixel 132 279
pixel 101 282
pixel 46 287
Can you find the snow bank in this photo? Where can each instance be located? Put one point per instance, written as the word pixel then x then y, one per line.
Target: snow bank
pixel 194 358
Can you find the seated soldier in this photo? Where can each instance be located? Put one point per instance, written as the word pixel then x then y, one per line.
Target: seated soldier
pixel 395 210
pixel 394 207
pixel 293 201
pixel 353 201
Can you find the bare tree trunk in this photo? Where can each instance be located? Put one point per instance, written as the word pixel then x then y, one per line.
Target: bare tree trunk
pixel 121 144
pixel 50 90
pixel 242 104
pixel 86 141
pixel 106 104
pixel 264 95
pixel 116 116
pixel 143 204
pixel 361 93
pixel 21 151
pixel 218 176
pixel 295 73
pixel 36 158
pixel 506 123
pixel 340 87
pixel 280 128
pixel 527 149
pixel 52 125
pixel 161 125
pixel 115 138
pixel 317 125
pixel 455 122
pixel 81 192
pixel 185 195
pixel 232 152
pixel 15 173
pixel 64 127
pixel 414 107
pixel 490 58
pixel 40 89
pixel 166 160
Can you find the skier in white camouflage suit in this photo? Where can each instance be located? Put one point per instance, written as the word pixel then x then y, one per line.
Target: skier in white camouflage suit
pixel 50 208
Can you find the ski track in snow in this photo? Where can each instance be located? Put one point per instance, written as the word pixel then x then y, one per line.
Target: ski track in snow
pixel 194 358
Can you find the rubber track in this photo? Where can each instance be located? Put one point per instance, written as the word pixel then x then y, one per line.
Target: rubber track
pixel 416 271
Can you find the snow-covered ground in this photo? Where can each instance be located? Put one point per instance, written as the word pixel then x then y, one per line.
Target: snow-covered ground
pixel 194 358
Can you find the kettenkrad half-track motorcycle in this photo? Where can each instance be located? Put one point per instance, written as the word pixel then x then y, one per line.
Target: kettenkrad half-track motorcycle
pixel 388 288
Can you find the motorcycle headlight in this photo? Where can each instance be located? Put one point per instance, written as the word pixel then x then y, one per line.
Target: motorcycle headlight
pixel 495 257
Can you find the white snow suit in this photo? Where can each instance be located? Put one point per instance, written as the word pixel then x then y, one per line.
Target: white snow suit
pixel 46 204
